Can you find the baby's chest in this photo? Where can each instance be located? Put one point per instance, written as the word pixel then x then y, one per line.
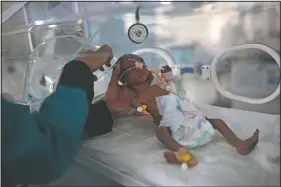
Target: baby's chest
pixel 146 97
pixel 126 95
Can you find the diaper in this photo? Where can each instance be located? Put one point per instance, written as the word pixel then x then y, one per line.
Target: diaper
pixel 187 124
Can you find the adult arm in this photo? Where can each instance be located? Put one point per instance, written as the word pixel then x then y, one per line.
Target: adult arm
pixel 116 106
pixel 38 147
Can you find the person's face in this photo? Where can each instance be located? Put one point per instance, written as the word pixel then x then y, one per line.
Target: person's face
pixel 136 76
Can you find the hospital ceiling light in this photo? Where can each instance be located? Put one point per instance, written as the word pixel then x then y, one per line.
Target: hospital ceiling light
pixel 165 2
pixel 52 26
pixel 80 21
pixel 39 22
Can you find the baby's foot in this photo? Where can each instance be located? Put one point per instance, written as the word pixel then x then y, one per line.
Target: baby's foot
pixel 246 146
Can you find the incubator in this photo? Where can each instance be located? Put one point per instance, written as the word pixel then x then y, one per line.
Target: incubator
pixel 225 58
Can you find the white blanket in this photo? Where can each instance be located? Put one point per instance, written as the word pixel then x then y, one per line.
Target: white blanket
pixel 133 150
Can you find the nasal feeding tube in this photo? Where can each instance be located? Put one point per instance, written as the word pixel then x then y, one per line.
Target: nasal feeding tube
pixel 167 87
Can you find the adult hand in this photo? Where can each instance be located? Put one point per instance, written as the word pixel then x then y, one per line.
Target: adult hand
pixel 96 59
pixel 115 73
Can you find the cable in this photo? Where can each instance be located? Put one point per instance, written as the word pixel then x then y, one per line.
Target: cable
pixel 137 14
pixel 164 54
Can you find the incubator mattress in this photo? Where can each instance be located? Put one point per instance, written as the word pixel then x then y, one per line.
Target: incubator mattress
pixel 131 154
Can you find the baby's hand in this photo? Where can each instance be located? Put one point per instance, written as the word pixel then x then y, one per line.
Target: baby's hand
pixel 182 151
pixel 174 157
pixel 137 113
pixel 146 116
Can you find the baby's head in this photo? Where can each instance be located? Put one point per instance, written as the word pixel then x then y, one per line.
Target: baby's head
pixel 133 70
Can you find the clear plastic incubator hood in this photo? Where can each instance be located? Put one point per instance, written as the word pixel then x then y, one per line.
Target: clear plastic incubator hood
pixel 225 58
pixel 224 54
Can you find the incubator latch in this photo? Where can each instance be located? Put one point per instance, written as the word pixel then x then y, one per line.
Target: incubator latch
pixel 205 72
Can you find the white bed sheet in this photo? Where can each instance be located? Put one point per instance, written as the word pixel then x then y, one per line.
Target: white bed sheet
pixel 132 155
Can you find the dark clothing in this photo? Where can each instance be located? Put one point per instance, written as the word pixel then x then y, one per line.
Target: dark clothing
pixel 38 147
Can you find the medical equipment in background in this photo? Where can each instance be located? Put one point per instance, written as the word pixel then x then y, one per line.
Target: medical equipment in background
pixel 255 78
pixel 36 91
pixel 43 72
pixel 50 82
pixel 42 75
pixel 230 95
pixel 209 72
pixel 137 32
pixel 167 75
pixel 111 158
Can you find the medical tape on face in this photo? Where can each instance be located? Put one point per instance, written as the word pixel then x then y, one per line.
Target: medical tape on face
pixel 155 73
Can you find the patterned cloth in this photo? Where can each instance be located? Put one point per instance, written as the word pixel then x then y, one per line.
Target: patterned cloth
pixel 188 125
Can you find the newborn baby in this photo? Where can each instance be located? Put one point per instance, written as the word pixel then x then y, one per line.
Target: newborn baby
pixel 187 125
pixel 181 126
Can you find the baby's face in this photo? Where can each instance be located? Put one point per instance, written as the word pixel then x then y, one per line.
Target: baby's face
pixel 137 76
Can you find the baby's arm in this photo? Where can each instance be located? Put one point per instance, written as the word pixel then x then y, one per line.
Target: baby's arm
pixel 164 135
pixel 121 109
pixel 116 107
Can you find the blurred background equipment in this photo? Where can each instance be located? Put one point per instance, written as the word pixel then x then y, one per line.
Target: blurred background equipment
pixel 137 32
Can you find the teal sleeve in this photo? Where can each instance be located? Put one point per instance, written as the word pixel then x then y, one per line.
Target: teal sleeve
pixel 38 148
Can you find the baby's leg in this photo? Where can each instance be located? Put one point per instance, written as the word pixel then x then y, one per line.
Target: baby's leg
pixel 164 135
pixel 243 146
